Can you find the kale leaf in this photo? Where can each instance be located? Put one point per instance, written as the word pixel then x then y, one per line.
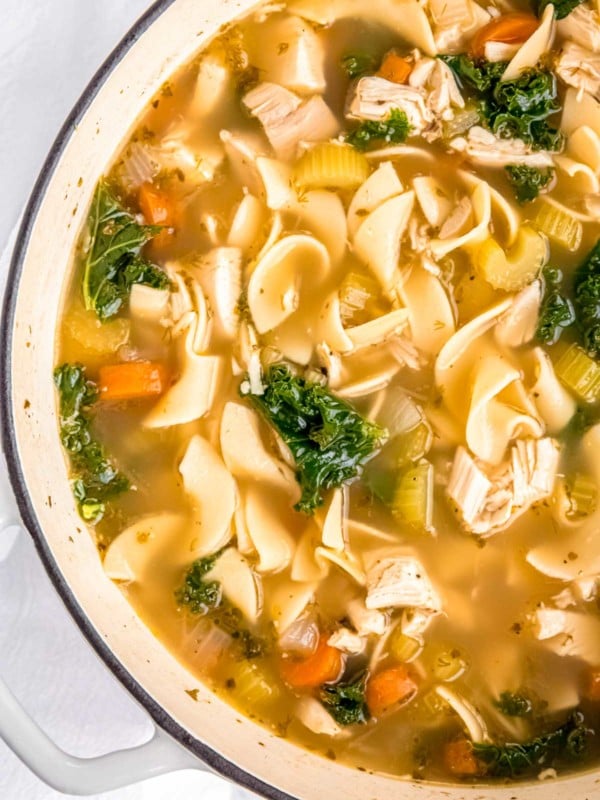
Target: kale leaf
pixel 113 263
pixel 508 760
pixel 346 701
pixel 512 704
pixel 357 64
pixel 527 182
pixel 479 75
pixel 556 312
pixel 96 479
pixel 197 594
pixel 329 440
pixel 518 108
pixel 393 130
pixel 587 301
pixel 562 8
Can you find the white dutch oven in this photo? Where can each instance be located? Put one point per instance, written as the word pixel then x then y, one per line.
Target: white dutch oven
pixel 201 734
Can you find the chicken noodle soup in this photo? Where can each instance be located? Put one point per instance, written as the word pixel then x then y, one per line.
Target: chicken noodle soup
pixel 329 379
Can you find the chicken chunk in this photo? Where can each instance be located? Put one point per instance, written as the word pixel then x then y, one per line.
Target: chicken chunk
pixel 347 641
pixel 481 147
pixel 579 68
pixel 582 26
pixel 366 621
pixel 401 582
pixel 375 98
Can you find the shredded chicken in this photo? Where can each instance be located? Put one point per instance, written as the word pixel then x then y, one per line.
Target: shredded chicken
pixel 347 641
pixel 549 622
pixel 489 499
pixel 517 326
pixel 582 26
pixel 579 68
pixel 401 582
pixel 287 120
pixel 480 146
pixel 459 220
pixel 316 718
pixel 430 97
pixel 366 620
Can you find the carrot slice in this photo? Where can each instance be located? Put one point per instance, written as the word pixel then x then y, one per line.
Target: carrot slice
pixel 459 758
pixel 591 689
pixel 131 381
pixel 388 689
pixel 158 209
pixel 395 68
pixel 325 665
pixel 510 29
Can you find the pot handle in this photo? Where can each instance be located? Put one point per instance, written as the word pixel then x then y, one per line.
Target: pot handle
pixel 64 772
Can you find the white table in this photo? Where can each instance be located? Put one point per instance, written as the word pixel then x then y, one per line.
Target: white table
pixel 49 49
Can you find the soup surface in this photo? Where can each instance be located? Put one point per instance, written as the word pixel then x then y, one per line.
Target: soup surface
pixel 329 379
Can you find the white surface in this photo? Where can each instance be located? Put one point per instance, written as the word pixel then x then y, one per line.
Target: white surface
pixel 49 49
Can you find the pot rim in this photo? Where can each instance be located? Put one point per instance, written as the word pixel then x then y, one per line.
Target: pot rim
pixel 8 440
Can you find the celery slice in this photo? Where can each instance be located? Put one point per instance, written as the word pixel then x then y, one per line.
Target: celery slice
pixel 381 475
pixel 580 373
pixel 400 413
pixel 448 664
pixel 583 495
pixel 404 648
pixel 251 684
pixel 516 268
pixel 331 166
pixel 559 226
pixel 461 123
pixel 360 299
pixel 413 498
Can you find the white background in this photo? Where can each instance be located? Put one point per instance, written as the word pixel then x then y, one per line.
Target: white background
pixel 49 50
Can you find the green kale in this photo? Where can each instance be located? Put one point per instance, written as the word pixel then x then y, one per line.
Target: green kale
pixel 329 440
pixel 198 595
pixel 96 479
pixel 587 301
pixel 357 64
pixel 518 108
pixel 508 760
pixel 113 263
pixel 514 705
pixel 562 8
pixel 479 75
pixel 393 130
pixel 556 312
pixel 527 182
pixel 346 701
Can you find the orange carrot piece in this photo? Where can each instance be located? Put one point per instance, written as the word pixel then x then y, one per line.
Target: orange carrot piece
pixel 158 209
pixel 388 689
pixel 132 380
pixel 591 689
pixel 459 758
pixel 510 29
pixel 325 665
pixel 395 68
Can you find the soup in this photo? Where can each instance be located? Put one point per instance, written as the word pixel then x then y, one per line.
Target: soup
pixel 328 380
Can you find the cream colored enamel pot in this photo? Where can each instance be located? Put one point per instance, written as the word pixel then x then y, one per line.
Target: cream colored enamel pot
pixel 202 733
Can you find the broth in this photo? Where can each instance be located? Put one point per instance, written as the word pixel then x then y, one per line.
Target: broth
pixel 333 421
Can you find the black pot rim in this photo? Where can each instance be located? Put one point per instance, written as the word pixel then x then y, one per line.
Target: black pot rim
pixel 9 443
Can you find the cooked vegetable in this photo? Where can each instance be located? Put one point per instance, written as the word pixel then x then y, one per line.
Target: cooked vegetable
pixel 591 689
pixel 196 594
pixel 559 226
pixel 346 701
pixel 246 644
pixel 460 760
pixel 480 75
pixel 412 502
pixel 582 492
pixel 569 741
pixel 329 440
pixel 512 704
pixel 514 269
pixel 461 123
pixel 393 130
pixel 508 28
pixel 113 263
pixel 389 689
pixel 556 312
pixel 96 479
pixel 333 166
pixel 562 8
pixel 580 373
pixel 527 182
pixel 587 301
pixel 251 684
pixel 448 664
pixel 403 647
pixel 360 299
pixel 395 68
pixel 131 381
pixel 325 665
pixel 158 209
pixel 358 64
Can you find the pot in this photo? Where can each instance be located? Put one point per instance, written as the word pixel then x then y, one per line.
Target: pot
pixel 202 731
